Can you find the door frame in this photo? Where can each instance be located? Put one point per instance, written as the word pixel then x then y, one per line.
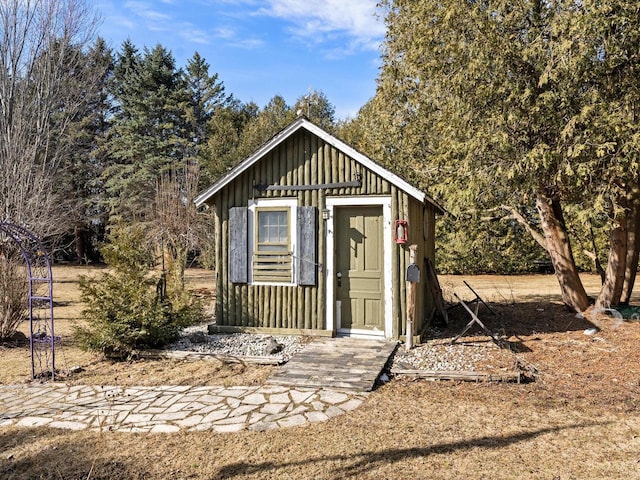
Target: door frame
pixel 331 310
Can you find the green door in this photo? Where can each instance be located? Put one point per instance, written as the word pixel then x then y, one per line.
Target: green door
pixel 359 268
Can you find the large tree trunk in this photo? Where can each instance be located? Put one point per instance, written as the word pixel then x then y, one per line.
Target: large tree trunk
pixel 559 249
pixel 81 235
pixel 616 265
pixel 633 244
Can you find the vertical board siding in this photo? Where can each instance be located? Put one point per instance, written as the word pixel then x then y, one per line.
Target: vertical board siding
pixel 223 264
pixel 303 159
pixel 218 260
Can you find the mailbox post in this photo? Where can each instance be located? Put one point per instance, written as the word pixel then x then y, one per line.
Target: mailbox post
pixel 413 277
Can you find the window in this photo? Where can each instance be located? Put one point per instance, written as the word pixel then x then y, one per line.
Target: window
pixel 272 256
pixel 273 241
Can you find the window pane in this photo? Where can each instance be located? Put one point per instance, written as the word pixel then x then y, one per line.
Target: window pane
pixel 272 226
pixel 283 234
pixel 272 260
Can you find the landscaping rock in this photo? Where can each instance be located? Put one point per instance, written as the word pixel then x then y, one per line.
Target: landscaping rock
pixel 237 344
pixel 197 337
pixel 273 347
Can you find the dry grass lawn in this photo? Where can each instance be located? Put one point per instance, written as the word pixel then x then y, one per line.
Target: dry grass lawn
pixel 15 363
pixel 579 420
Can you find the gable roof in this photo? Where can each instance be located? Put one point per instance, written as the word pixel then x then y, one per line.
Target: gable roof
pixel 303 123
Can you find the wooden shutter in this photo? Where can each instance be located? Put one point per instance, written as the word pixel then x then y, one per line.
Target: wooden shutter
pixel 307 238
pixel 238 256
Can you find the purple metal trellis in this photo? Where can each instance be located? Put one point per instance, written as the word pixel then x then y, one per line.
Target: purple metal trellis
pixel 41 335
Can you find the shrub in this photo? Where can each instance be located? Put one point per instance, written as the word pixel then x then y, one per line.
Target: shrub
pixel 130 307
pixel 14 294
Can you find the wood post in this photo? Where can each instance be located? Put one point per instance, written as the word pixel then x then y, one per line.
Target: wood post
pixel 411 304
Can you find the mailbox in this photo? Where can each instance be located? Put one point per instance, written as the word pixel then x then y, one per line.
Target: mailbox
pixel 413 273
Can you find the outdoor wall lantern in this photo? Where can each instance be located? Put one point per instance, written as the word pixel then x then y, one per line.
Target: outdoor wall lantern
pixel 401 232
pixel 325 214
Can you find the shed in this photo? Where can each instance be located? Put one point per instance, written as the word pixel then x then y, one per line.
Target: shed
pixel 305 241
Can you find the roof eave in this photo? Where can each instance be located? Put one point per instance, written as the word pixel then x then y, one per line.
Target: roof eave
pixel 302 122
pixel 228 177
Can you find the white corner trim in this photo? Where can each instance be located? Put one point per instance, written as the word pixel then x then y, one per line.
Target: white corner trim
pixel 385 203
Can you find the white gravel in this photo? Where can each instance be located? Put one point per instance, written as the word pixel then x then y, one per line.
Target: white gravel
pixel 196 339
pixel 433 355
pixel 442 357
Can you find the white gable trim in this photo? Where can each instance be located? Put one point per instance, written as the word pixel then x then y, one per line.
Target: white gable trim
pixel 368 163
pixel 247 163
pixel 330 139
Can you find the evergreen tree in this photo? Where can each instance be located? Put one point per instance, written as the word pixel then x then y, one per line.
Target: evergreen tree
pixel 130 307
pixel 226 128
pixel 275 116
pixel 149 134
pixel 87 159
pixel 522 107
pixel 237 130
pixel 208 108
pixel 206 95
pixel 317 108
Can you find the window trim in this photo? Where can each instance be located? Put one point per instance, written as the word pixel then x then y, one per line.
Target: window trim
pixel 265 255
pixel 273 204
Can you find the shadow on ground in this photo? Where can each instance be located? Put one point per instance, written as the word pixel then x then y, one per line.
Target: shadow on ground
pixel 47 453
pixel 359 464
pixel 512 320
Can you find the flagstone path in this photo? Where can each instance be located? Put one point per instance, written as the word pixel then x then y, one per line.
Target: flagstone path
pixel 169 408
pixel 328 378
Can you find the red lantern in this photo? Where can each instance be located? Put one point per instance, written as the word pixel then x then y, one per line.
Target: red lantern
pixel 401 232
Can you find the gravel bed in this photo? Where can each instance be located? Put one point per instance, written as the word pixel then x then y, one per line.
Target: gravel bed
pixel 196 339
pixel 441 355
pixel 435 354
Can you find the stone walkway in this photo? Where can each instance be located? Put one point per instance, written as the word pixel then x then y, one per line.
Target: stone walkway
pixel 169 408
pixel 345 364
pixel 327 378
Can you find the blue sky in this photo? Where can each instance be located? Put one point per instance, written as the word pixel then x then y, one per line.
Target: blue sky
pixel 262 48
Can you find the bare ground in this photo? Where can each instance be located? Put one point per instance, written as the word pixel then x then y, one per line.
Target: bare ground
pixel 579 419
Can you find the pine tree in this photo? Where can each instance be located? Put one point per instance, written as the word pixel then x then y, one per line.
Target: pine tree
pixel 87 160
pixel 149 135
pixel 206 95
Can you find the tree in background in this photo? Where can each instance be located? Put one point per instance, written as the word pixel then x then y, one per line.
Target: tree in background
pixel 226 128
pixel 275 116
pixel 206 95
pixel 46 77
pixel 149 134
pixel 237 130
pixel 316 107
pixel 80 178
pixel 512 107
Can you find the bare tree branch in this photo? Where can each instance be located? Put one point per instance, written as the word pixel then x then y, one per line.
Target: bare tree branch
pixel 517 216
pixel 44 81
